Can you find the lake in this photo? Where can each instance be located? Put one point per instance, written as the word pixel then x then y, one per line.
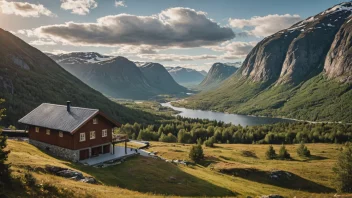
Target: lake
pixel 236 119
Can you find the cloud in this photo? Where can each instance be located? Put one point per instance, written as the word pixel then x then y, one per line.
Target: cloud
pixel 175 57
pixel 42 42
pixel 131 49
pixel 265 25
pixel 234 49
pixel 182 27
pixel 80 7
pixel 24 9
pixel 120 4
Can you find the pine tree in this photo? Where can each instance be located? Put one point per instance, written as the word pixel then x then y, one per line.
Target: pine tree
pixel 303 151
pixel 343 170
pixel 283 153
pixel 196 153
pixel 4 167
pixel 270 153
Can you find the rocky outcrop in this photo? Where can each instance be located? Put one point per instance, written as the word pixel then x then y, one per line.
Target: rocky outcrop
pixel 70 174
pixel 306 54
pixel 217 74
pixel 338 62
pixel 298 53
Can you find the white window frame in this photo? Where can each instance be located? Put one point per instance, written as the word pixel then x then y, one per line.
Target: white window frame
pixel 95 120
pixel 37 129
pixel 104 133
pixel 47 131
pixel 61 134
pixel 82 137
pixel 92 135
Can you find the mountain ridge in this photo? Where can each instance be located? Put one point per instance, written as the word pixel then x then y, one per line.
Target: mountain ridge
pixel 302 72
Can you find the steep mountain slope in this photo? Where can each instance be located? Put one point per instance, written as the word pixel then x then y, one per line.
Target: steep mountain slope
pixel 118 77
pixel 217 73
pixel 160 78
pixel 28 78
pixel 185 76
pixel 301 72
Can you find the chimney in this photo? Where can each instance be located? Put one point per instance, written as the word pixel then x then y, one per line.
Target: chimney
pixel 68 106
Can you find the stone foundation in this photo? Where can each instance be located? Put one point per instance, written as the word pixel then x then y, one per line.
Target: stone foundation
pixel 68 154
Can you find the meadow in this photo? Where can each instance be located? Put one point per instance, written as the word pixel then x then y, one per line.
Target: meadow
pixel 230 170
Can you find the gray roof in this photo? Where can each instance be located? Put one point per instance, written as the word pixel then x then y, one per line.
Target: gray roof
pixel 57 117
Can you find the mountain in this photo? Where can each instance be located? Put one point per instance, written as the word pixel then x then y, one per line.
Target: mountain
pixel 118 77
pixel 160 78
pixel 204 73
pixel 28 78
pixel 185 76
pixel 302 72
pixel 217 73
pixel 79 58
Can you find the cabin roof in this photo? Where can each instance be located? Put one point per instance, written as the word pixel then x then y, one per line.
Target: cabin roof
pixel 57 117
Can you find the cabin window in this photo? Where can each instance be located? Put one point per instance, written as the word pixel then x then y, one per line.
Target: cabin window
pixel 48 131
pixel 82 137
pixel 37 129
pixel 95 121
pixel 105 133
pixel 92 135
pixel 61 134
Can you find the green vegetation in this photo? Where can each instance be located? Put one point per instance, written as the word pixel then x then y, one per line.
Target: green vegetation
pixel 270 153
pixel 196 153
pixel 303 151
pixel 343 170
pixel 4 166
pixel 190 130
pixel 317 99
pixel 283 153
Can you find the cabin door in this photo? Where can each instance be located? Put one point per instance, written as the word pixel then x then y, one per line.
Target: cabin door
pixel 106 149
pixel 83 154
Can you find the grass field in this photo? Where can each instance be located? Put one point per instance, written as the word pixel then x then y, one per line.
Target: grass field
pixel 228 170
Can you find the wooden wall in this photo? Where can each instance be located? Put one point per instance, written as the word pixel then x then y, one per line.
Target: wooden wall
pixel 71 141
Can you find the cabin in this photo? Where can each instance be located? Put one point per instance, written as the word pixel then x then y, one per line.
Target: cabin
pixel 73 133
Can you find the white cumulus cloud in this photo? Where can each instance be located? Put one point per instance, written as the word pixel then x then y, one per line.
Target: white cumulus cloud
pixel 265 25
pixel 80 7
pixel 120 4
pixel 182 27
pixel 24 9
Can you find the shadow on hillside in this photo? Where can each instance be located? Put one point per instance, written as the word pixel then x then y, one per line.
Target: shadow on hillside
pixel 280 178
pixel 148 175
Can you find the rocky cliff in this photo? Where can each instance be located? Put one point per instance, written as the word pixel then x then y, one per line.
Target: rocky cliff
pixel 301 72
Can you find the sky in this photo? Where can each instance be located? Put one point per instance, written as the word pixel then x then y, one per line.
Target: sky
pixel 188 33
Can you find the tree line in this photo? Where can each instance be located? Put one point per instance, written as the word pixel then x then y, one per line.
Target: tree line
pixel 187 130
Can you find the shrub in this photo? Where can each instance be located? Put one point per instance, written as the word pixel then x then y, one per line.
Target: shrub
pixel 343 170
pixel 270 153
pixel 196 153
pixel 283 153
pixel 168 138
pixel 210 142
pixel 303 151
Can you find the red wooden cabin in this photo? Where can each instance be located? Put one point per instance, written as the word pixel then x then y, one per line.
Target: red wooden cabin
pixel 73 133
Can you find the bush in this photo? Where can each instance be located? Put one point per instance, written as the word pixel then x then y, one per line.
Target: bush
pixel 196 153
pixel 210 142
pixel 270 153
pixel 343 170
pixel 283 153
pixel 303 151
pixel 168 138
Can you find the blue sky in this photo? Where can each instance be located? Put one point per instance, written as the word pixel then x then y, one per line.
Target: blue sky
pixel 189 33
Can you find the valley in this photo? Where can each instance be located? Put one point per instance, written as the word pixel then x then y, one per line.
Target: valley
pixel 183 99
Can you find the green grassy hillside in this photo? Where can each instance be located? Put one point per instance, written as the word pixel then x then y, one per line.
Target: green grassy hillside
pixel 228 170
